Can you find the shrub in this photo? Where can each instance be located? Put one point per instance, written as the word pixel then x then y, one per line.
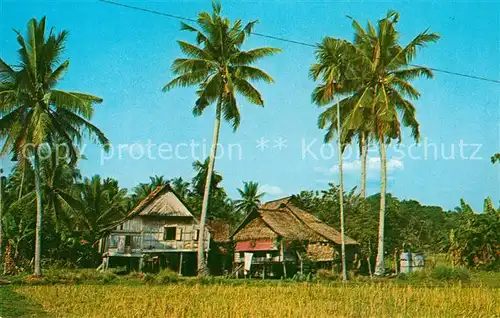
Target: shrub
pixel 167 276
pixel 107 277
pixel 447 273
pixel 440 273
pixel 326 274
pixel 402 276
pixel 149 278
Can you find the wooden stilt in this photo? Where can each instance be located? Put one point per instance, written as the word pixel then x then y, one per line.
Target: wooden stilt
pixel 180 265
pixel 141 264
pixel 282 251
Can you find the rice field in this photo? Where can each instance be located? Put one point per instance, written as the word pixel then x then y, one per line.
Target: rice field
pixel 277 300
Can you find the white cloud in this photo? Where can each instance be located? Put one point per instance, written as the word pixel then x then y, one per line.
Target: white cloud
pixel 270 189
pixel 372 165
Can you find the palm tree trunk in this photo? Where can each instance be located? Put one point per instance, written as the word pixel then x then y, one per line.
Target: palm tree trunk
pixel 341 195
pixel 39 214
pixel 363 145
pixel 379 266
pixel 202 265
pixel 1 206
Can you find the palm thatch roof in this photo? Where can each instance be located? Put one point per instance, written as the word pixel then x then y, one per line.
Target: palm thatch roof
pixel 319 227
pixel 220 231
pixel 282 218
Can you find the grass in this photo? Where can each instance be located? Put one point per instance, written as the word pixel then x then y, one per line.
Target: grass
pixel 271 300
pixel 439 292
pixel 16 305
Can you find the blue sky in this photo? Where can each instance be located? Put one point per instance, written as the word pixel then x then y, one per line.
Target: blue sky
pixel 124 56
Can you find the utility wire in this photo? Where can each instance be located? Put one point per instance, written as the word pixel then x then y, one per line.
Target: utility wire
pixel 287 40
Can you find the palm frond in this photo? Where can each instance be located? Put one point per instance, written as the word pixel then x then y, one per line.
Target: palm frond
pixel 186 79
pixel 253 74
pixel 246 89
pixel 252 56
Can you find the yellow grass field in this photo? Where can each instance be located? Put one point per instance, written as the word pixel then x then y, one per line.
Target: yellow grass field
pixel 287 300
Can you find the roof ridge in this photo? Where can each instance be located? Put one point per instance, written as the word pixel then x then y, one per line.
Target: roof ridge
pixel 288 197
pixel 144 202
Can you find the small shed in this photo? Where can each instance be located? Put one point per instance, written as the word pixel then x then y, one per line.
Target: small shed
pixel 411 262
pixel 279 239
pixel 220 255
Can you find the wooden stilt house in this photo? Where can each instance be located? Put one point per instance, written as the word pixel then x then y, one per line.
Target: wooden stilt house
pixel 161 232
pixel 280 239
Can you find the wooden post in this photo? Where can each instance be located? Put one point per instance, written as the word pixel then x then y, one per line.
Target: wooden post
pixel 264 270
pixel 396 261
pixel 106 263
pixel 141 264
pixel 283 259
pixel 370 259
pixel 180 265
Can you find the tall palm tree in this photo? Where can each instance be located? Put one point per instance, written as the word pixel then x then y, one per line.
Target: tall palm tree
pixel 250 197
pixel 336 72
pixel 386 93
pixel 34 113
pixel 376 72
pixel 220 69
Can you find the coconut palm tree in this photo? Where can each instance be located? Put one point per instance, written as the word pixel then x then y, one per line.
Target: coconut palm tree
pixel 337 75
pixel 104 202
pixel 250 197
pixel 35 113
pixel 180 186
pixel 220 69
pixel 157 181
pixel 199 179
pixel 140 192
pixel 495 158
pixel 386 93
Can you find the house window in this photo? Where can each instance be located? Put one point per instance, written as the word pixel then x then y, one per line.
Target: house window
pixel 196 235
pixel 170 233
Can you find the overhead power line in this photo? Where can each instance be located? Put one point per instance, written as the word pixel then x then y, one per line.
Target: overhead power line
pixel 277 38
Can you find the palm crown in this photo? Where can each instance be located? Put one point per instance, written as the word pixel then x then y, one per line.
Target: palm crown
pixel 373 75
pixel 32 110
pixel 218 65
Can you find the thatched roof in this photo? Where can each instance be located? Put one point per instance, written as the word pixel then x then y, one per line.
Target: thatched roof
pixel 255 229
pixel 161 202
pixel 220 231
pixel 286 225
pixel 281 218
pixel 320 252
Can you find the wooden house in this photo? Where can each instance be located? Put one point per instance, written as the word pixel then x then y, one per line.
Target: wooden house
pixel 279 239
pixel 161 232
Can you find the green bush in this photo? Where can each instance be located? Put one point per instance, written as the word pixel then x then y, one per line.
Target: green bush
pixel 149 278
pixel 402 276
pixel 107 277
pixel 167 276
pixel 440 273
pixel 447 273
pixel 326 274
